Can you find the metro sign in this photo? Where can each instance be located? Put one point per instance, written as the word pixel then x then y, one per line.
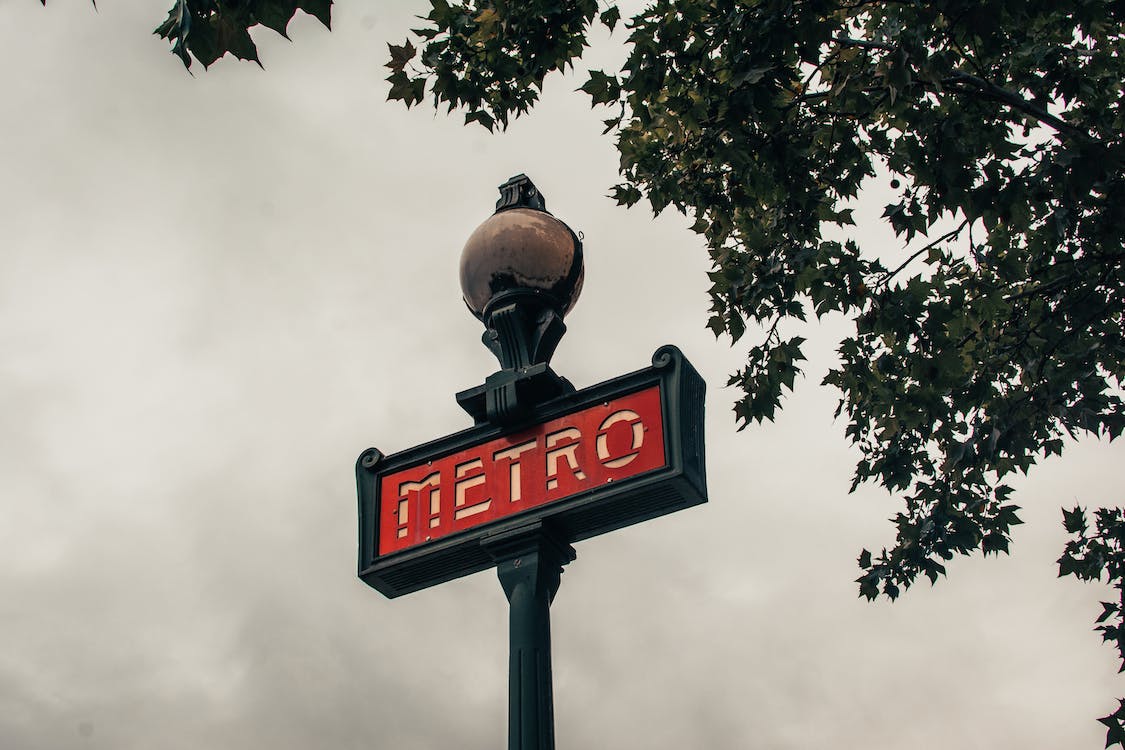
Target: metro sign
pixel 605 457
pixel 508 475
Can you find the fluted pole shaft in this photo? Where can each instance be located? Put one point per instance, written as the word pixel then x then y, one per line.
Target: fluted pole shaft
pixel 529 565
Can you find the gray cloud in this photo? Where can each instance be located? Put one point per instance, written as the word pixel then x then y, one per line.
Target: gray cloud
pixel 216 291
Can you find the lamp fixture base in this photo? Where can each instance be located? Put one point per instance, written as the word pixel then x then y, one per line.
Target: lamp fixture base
pixel 508 397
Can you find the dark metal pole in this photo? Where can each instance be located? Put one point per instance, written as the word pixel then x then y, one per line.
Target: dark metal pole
pixel 529 563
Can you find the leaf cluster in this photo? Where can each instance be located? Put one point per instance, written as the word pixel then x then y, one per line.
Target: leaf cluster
pixel 490 57
pixel 1087 556
pixel 208 29
pixel 990 334
pixel 995 338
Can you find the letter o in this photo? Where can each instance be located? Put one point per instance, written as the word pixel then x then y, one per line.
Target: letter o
pixel 623 415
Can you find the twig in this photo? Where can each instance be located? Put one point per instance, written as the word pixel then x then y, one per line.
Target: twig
pixel 847 41
pixel 947 236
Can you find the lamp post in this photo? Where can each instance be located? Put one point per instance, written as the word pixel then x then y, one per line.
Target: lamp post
pixel 544 466
pixel 521 273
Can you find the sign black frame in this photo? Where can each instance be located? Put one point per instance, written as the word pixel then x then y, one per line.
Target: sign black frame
pixel 680 483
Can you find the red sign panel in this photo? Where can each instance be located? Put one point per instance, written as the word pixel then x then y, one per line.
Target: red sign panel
pixel 543 464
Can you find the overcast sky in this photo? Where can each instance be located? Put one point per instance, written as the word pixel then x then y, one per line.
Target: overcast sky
pixel 215 292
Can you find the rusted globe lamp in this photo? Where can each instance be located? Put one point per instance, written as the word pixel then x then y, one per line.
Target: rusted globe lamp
pixel 521 273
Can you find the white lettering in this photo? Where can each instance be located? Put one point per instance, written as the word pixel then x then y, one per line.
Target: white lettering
pixel 465 483
pixel 624 415
pixel 406 489
pixel 513 454
pixel 567 451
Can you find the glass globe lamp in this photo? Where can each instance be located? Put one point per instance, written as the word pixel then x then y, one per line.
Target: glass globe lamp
pixel 521 273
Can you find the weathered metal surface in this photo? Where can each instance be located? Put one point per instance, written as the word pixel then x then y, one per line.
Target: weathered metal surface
pixel 521 249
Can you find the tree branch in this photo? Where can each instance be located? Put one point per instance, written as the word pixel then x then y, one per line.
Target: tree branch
pixel 1016 101
pixel 1042 288
pixel 847 41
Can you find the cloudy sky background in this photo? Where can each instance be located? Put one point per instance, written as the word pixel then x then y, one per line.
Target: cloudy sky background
pixel 216 291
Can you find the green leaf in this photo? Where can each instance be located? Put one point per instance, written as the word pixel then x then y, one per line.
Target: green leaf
pixel 481 117
pixel 625 195
pixel 320 9
pixel 602 88
pixel 736 326
pixel 400 55
pixel 203 41
pixel 610 16
pixel 751 76
pixel 1108 610
pixel 233 36
pixel 401 87
pixel 869 586
pixel 275 14
pixel 1115 722
pixel 1074 521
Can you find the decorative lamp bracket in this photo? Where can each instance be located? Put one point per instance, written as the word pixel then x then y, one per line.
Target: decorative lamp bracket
pixel 520 192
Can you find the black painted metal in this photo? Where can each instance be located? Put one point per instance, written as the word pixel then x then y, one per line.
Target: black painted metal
pixel 523 327
pixel 523 336
pixel 529 562
pixel 680 483
pixel 518 192
pixel 508 397
pixel 519 338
